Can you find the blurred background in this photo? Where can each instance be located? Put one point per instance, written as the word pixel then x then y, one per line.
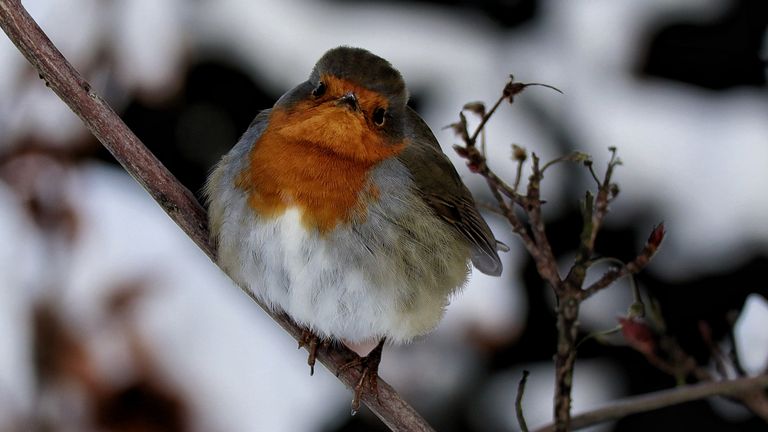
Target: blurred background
pixel 112 320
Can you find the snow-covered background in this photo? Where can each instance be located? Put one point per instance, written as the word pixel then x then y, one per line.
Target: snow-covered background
pixel 77 234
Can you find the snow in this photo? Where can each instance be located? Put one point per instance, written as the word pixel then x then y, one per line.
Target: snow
pixel 241 370
pixel 750 335
pixel 17 255
pixel 595 383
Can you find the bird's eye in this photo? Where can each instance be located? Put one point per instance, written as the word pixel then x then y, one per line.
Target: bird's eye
pixel 319 90
pixel 379 115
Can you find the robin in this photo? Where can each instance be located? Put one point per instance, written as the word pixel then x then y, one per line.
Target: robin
pixel 338 207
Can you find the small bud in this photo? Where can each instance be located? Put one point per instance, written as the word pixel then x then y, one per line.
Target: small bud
pixel 475 107
pixel 512 88
pixel 519 153
pixel 657 236
pixel 455 127
pixel 587 163
pixel 614 190
pixel 638 335
pixel 636 310
pixel 580 157
pixel 706 332
pixel 461 150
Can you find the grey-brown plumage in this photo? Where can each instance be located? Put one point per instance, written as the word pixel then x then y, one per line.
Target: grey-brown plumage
pixel 442 189
pixel 369 71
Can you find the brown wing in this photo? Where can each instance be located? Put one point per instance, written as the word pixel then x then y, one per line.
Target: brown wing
pixel 441 187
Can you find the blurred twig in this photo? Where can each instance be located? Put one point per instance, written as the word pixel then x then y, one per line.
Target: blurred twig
pixel 519 401
pixel 661 350
pixel 175 199
pixel 739 387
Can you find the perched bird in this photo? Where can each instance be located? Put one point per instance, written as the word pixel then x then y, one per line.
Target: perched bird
pixel 338 207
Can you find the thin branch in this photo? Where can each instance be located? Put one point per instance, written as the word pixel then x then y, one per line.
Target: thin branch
pixel 592 172
pixel 642 259
pixel 510 90
pixel 517 225
pixel 175 199
pixel 519 402
pixel 573 157
pixel 471 141
pixel 547 265
pixel 520 155
pixel 604 197
pixel 594 210
pixel 477 163
pixel 651 401
pixel 565 357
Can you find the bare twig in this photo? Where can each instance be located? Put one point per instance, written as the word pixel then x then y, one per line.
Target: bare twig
pixel 570 291
pixel 565 358
pixel 547 264
pixel 594 210
pixel 519 402
pixel 483 120
pixel 642 259
pixel 573 157
pixel 175 199
pixel 651 401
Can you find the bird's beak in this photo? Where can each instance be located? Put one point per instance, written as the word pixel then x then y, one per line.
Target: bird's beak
pixel 350 100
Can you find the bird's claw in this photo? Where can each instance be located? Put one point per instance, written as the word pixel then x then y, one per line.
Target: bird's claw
pixel 369 375
pixel 369 378
pixel 312 343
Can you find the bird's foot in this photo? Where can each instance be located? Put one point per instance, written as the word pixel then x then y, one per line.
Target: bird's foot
pixel 312 342
pixel 369 374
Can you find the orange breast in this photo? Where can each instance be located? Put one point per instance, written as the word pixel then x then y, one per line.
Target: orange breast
pixel 315 159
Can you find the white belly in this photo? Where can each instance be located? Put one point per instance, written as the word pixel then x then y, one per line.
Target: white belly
pixel 313 281
pixel 390 276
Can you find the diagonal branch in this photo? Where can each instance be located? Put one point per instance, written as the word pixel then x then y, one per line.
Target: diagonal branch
pixel 175 199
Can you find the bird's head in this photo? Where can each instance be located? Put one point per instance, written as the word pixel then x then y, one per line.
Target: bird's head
pixel 353 104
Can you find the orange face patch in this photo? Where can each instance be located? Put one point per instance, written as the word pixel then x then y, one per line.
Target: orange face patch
pixel 369 99
pixel 317 156
pixel 343 131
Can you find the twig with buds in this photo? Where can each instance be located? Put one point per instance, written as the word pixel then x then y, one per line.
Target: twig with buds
pixel 569 290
